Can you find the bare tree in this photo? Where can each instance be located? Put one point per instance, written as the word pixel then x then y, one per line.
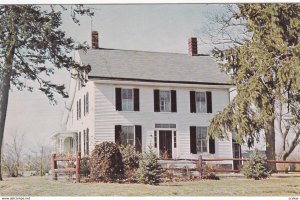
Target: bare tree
pixel 39 161
pixel 13 155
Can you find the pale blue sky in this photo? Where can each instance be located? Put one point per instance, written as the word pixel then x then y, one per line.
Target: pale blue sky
pixel 158 27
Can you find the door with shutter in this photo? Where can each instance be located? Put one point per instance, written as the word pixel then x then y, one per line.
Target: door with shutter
pixel 165 144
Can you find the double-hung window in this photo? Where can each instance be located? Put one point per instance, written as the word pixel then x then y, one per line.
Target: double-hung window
pixel 165 101
pixel 200 142
pixel 201 139
pixel 127 99
pixel 201 102
pixel 127 135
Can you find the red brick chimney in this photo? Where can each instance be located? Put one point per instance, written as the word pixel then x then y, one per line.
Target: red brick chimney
pixel 193 48
pixel 95 40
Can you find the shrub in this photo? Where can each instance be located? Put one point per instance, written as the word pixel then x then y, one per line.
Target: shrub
pixel 106 163
pixel 84 167
pixel 149 171
pixel 130 158
pixel 208 173
pixel 256 167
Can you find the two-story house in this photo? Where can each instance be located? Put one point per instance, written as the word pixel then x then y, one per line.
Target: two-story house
pixel 163 100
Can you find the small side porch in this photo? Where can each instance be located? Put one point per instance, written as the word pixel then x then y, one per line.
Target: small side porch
pixel 64 143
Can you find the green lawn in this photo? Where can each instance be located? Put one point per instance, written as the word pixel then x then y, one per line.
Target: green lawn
pixel 37 186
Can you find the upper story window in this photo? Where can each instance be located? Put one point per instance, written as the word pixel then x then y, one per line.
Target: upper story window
pixel 127 99
pixel 79 109
pixel 86 104
pixel 200 102
pixel 165 101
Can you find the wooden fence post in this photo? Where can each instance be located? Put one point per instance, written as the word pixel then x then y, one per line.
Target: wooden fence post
pixel 78 167
pixel 200 169
pixel 54 166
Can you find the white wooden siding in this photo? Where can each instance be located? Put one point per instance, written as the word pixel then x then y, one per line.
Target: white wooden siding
pixel 106 117
pixel 86 121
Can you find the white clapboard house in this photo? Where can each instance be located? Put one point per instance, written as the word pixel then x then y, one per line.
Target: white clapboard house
pixel 163 100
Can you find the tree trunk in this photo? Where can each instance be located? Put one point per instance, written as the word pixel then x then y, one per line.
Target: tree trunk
pixel 4 93
pixel 270 144
pixel 5 76
pixel 293 145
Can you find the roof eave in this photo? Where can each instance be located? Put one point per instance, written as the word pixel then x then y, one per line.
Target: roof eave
pixel 159 81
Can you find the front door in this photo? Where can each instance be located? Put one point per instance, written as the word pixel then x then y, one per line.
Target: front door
pixel 165 144
pixel 236 147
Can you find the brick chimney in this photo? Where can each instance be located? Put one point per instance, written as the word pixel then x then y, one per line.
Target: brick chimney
pixel 193 48
pixel 95 40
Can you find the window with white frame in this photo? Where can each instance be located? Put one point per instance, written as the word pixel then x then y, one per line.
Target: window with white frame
pixel 165 101
pixel 127 135
pixel 127 99
pixel 201 102
pixel 201 139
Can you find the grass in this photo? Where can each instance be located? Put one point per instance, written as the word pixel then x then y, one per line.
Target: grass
pixel 40 186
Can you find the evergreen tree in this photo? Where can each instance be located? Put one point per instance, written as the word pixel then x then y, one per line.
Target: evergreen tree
pixel 149 171
pixel 266 71
pixel 30 41
pixel 256 167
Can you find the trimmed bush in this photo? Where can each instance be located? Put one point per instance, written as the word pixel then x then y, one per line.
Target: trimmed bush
pixel 106 163
pixel 256 168
pixel 149 171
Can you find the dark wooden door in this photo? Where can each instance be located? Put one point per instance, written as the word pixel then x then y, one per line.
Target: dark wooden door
pixel 165 144
pixel 236 147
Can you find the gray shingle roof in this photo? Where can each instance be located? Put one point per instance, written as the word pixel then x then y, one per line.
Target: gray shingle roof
pixel 152 66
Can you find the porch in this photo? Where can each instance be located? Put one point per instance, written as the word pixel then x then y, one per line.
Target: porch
pixel 64 143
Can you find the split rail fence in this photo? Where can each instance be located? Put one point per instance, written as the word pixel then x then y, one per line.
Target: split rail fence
pixel 72 170
pixel 200 163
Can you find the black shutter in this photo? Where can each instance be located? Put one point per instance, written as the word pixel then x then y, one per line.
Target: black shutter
pixel 193 139
pixel 77 110
pixel 208 103
pixel 136 99
pixel 212 148
pixel 118 129
pixel 173 101
pixel 192 101
pixel 138 138
pixel 84 105
pixel 118 99
pixel 156 101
